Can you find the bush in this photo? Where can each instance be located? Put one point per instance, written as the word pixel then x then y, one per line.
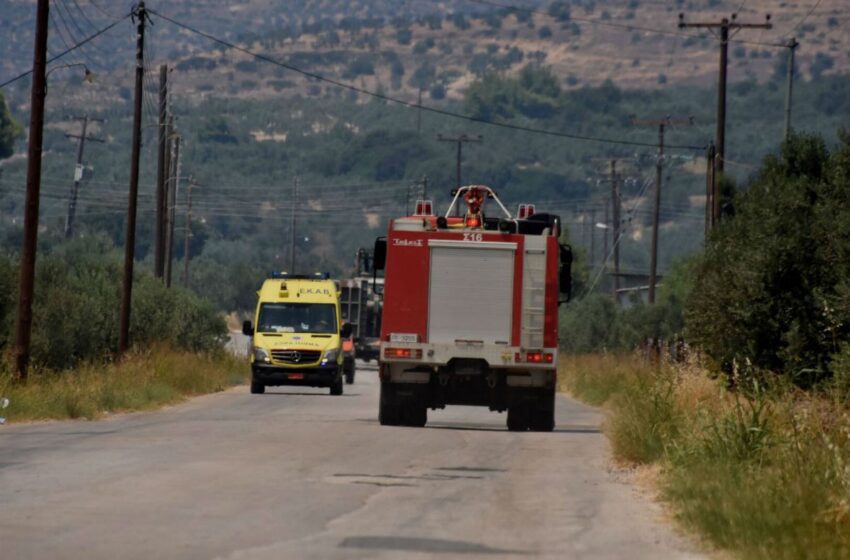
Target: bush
pixel 772 291
pixel 77 301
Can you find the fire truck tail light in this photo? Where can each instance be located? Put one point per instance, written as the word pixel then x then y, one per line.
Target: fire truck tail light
pixel 409 353
pixel 424 208
pixel 525 211
pixel 534 357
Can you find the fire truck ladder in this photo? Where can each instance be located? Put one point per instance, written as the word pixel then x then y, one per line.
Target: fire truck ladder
pixel 533 293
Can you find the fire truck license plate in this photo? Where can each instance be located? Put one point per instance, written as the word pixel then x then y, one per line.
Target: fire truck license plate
pixel 403 337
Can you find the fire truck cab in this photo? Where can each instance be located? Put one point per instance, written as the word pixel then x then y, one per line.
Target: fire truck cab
pixel 470 312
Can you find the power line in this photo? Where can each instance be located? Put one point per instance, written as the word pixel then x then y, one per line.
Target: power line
pixel 409 104
pixel 802 21
pixel 66 51
pixel 604 23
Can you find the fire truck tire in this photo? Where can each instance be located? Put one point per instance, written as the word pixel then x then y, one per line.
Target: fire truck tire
pixel 543 414
pixel 518 418
pixel 257 388
pixel 416 416
pixel 388 409
pixel 336 388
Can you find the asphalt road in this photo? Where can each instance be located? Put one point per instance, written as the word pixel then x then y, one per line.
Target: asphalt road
pixel 296 473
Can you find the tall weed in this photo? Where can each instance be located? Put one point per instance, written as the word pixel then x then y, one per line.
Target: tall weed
pixel 762 471
pixel 142 381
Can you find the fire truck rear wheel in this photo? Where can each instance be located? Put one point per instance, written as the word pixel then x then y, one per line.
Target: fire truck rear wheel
pixel 257 388
pixel 543 414
pixel 416 416
pixel 336 388
pixel 389 413
pixel 518 418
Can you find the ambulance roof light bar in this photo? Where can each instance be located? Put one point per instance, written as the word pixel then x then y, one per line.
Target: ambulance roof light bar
pixel 459 192
pixel 290 276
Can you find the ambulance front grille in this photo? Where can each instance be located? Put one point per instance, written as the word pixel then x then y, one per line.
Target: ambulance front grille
pixel 296 356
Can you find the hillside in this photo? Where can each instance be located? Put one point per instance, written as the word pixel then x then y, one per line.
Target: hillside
pixel 250 128
pixel 439 46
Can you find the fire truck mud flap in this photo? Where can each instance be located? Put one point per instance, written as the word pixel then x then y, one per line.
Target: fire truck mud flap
pixel 403 404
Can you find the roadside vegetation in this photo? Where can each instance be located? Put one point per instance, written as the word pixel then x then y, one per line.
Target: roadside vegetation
pixel 144 380
pixel 762 471
pixel 750 426
pixel 177 338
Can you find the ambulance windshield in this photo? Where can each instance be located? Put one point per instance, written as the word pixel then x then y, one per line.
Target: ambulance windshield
pixel 297 318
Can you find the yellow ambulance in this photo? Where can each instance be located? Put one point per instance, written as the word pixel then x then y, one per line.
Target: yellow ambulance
pixel 297 333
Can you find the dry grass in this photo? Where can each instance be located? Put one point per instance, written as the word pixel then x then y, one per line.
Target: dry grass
pixel 762 472
pixel 142 381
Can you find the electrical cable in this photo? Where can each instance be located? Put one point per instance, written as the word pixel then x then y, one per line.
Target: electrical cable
pixel 410 104
pixel 66 51
pixel 625 26
pixel 802 21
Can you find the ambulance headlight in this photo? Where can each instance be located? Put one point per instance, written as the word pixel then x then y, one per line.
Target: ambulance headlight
pixel 261 355
pixel 330 356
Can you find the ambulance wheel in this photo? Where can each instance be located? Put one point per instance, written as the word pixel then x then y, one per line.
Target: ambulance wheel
pixel 543 414
pixel 336 388
pixel 518 418
pixel 257 388
pixel 388 409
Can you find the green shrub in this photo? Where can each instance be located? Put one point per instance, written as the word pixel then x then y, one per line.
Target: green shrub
pixel 77 302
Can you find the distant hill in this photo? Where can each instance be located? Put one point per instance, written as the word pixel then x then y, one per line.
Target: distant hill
pixel 438 46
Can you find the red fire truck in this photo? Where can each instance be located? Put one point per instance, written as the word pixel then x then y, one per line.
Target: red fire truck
pixel 471 311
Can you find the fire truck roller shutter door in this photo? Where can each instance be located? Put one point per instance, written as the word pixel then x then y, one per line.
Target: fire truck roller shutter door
pixel 471 292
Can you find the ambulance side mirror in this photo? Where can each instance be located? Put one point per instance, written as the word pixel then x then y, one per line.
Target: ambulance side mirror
pixel 345 331
pixel 247 329
pixel 565 273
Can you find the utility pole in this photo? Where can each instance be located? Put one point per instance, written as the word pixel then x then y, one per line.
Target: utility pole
pixel 23 320
pixel 172 203
pixel 419 113
pixel 615 210
pixel 130 238
pixel 161 174
pixel 292 223
pixel 592 238
pixel 188 232
pixel 724 26
pixel 711 211
pixel 656 212
pixel 792 46
pixel 605 234
pixel 78 174
pixel 460 141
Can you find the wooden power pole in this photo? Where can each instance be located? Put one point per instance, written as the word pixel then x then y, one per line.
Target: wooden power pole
pixel 792 46
pixel 141 16
pixel 656 210
pixel 292 226
pixel 615 210
pixel 23 319
pixel 161 174
pixel 460 140
pixel 724 26
pixel 78 173
pixel 188 232
pixel 172 204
